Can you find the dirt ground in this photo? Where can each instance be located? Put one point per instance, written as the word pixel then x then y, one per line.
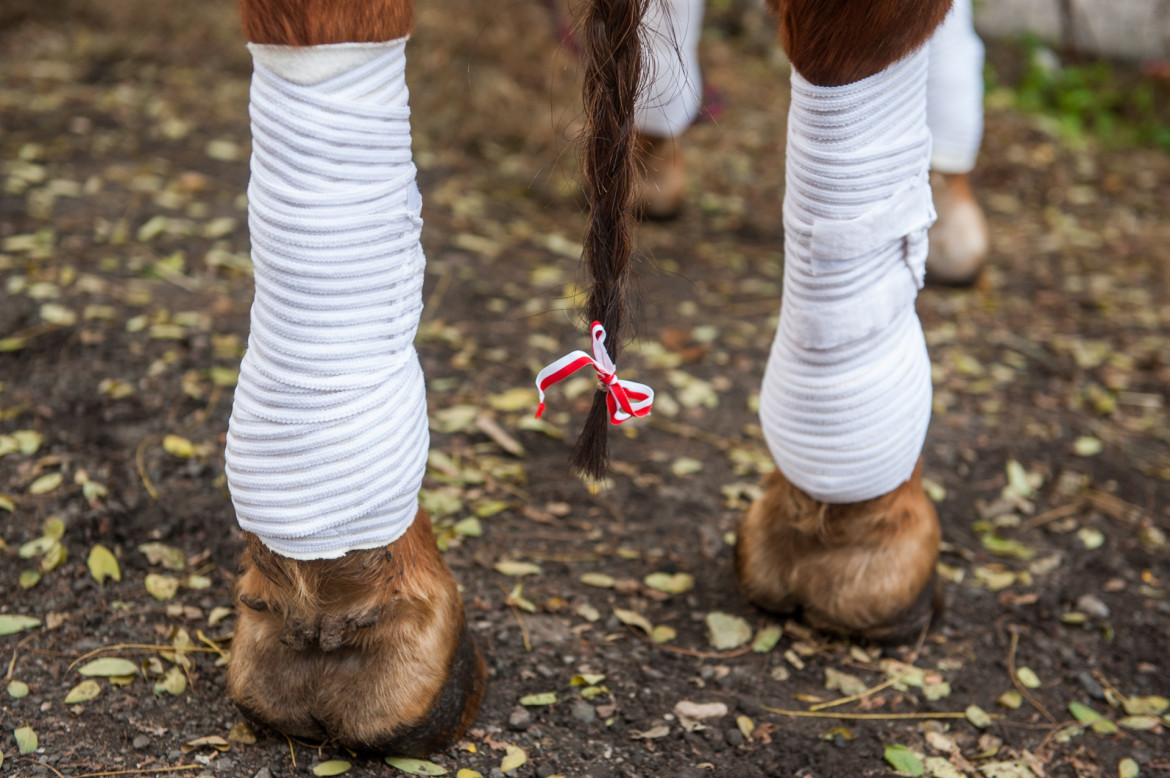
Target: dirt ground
pixel 126 285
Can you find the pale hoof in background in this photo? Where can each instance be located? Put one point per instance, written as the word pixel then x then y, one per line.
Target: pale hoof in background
pixel 959 239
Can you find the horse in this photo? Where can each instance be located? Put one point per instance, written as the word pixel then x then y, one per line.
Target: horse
pixel 351 626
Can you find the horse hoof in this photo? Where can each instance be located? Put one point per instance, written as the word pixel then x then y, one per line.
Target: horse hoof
pixel 370 650
pixel 959 238
pixel 861 569
pixel 659 190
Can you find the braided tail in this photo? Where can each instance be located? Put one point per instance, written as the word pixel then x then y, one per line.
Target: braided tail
pixel 613 67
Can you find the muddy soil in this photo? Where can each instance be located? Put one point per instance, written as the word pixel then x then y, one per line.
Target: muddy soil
pixel 123 252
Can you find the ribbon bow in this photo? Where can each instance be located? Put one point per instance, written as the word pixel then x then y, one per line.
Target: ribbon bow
pixel 625 399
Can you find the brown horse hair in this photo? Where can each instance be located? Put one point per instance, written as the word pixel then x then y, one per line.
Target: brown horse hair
pixel 613 58
pixel 836 42
pixel 314 22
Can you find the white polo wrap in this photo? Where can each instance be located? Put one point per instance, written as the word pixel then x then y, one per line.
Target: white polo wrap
pixel 672 90
pixel 954 92
pixel 328 438
pixel 847 393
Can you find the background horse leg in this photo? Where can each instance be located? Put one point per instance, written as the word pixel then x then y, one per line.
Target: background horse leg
pixel 350 626
pixel 954 113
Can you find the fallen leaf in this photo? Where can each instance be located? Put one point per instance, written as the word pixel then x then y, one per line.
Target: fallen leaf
pixel 29 578
pixel 1010 700
pixel 415 766
pixel 83 692
pixel 978 716
pixel 168 557
pixel 726 631
pixel 215 741
pixel 940 767
pixel 173 683
pixel 469 527
pixel 599 580
pixel 657 731
pixel 512 567
pixel 536 700
pixel 671 583
pixel 108 666
pixel 26 739
pixel 242 733
pixel 45 484
pixel 766 639
pixel 684 466
pixel 586 679
pixel 11 623
pixel 847 684
pixel 514 756
pixel 161 587
pixel 1128 768
pixel 1140 723
pixel 903 760
pixel 1153 705
pixel 1027 676
pixel 17 689
pixel 1087 446
pixel 332 767
pixel 1091 538
pixel 102 564
pixel 634 619
pixel 663 634
pixel 178 446
pixel 746 726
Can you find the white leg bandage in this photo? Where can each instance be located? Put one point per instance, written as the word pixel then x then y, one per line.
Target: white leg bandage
pixel 328 437
pixel 847 393
pixel 673 90
pixel 954 92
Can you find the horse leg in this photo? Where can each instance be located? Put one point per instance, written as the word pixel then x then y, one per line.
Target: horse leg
pixel 669 102
pixel 954 113
pixel 844 530
pixel 350 624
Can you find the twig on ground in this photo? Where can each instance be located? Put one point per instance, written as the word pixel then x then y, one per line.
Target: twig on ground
pixel 139 460
pixel 1011 664
pixel 808 714
pixel 855 697
pixel 136 647
pixel 142 771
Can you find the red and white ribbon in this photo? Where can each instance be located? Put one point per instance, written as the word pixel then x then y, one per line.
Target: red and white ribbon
pixel 626 399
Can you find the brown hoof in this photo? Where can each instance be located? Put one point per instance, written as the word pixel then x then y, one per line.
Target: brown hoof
pixel 959 239
pixel 370 650
pixel 861 569
pixel 658 192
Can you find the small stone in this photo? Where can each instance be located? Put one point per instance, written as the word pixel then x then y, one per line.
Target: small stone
pixel 734 738
pixel 141 742
pixel 1092 606
pixel 519 720
pixel 583 712
pixel 715 738
pixel 693 772
pixel 1090 684
pixel 748 704
pixel 263 772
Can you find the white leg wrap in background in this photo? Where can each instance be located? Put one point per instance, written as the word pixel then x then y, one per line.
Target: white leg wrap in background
pixel 328 438
pixel 847 393
pixel 673 90
pixel 954 92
